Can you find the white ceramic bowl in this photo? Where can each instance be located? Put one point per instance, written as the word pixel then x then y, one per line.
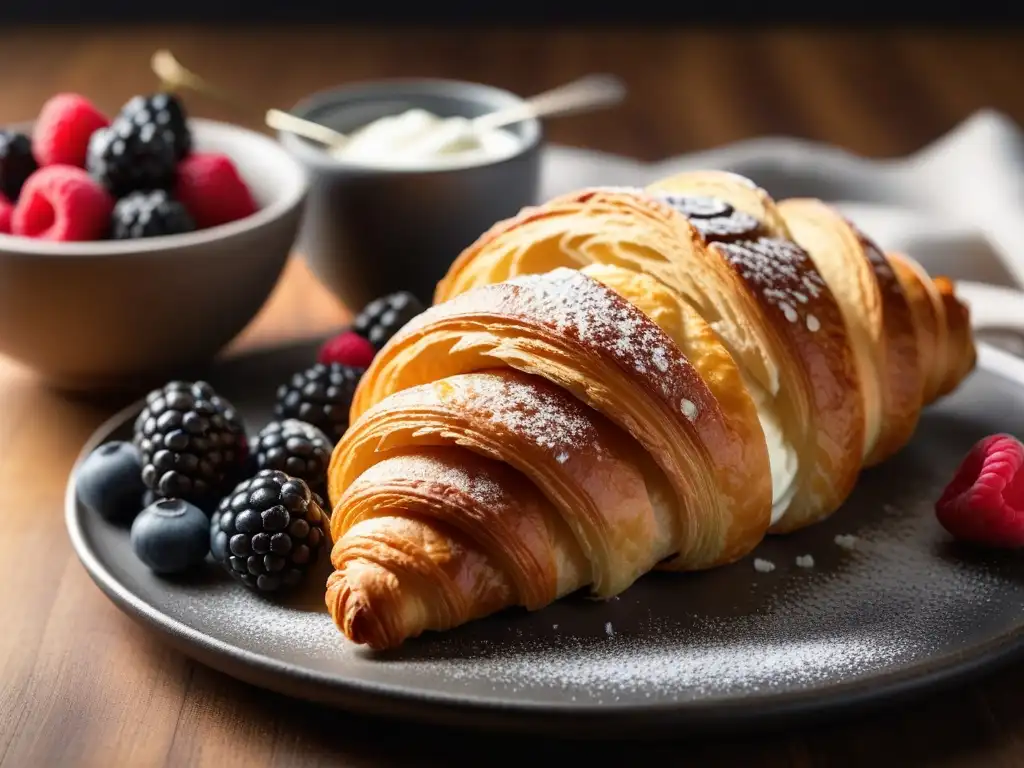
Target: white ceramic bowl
pixel 115 314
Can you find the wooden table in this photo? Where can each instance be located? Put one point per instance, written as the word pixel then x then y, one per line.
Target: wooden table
pixel 81 684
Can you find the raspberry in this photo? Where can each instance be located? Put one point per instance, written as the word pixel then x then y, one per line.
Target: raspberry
pixel 60 202
pixel 63 128
pixel 347 348
pixel 984 503
pixel 6 210
pixel 211 189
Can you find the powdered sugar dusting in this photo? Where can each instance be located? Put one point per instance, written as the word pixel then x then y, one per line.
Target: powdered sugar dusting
pixel 622 190
pixel 428 467
pixel 846 541
pixel 536 411
pixel 599 321
pixel 660 359
pixel 623 667
pixel 780 271
pixel 907 599
pixel 582 309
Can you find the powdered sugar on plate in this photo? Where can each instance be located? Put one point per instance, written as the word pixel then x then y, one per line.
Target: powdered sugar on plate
pixel 906 601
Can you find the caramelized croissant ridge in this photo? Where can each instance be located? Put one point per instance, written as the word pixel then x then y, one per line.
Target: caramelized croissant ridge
pixel 910 334
pixel 800 375
pixel 534 437
pixel 830 400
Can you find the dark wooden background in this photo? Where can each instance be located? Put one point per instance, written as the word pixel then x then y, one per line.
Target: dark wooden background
pixel 534 13
pixel 81 685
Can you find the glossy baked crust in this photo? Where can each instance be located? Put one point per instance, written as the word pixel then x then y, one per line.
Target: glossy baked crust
pixel 589 396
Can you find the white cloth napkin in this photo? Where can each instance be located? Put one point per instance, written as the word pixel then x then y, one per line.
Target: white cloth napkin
pixel 957 205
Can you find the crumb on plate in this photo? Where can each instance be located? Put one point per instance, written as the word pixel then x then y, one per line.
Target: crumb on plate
pixel 846 540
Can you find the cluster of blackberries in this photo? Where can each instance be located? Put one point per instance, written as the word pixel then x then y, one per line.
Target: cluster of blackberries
pixel 192 483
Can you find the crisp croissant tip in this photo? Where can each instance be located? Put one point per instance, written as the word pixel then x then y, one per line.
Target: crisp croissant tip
pixel 353 613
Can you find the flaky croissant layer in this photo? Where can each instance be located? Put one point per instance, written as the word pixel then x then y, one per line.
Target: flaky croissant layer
pixel 621 380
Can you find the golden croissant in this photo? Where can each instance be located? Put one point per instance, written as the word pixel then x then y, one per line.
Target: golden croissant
pixel 622 380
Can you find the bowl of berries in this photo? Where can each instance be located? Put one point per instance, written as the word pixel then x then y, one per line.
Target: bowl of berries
pixel 139 243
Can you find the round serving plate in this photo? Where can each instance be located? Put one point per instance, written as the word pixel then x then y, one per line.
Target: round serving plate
pixel 875 603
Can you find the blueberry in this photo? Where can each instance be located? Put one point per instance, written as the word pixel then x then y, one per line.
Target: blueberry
pixel 171 536
pixel 109 481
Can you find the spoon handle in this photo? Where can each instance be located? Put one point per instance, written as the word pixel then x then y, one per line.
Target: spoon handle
pixel 586 93
pixel 175 76
pixel 285 121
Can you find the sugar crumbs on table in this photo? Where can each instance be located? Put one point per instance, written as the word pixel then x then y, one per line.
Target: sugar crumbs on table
pixel 609 630
pixel 805 561
pixel 763 566
pixel 846 540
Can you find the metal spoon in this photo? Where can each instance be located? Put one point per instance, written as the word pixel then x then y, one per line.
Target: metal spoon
pixel 590 92
pixel 175 76
pixel 580 95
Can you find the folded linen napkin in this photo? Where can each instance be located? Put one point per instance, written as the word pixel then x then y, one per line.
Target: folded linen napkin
pixel 956 205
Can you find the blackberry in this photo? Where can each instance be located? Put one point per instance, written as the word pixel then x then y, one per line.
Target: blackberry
pixel 192 443
pixel 17 163
pixel 125 157
pixel 165 111
pixel 321 396
pixel 149 214
pixel 295 447
pixel 383 317
pixel 268 531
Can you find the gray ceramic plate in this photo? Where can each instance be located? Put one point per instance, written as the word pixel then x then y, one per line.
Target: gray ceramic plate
pixel 905 609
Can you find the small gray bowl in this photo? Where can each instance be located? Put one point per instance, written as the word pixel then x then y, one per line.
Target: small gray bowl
pixel 118 315
pixel 369 231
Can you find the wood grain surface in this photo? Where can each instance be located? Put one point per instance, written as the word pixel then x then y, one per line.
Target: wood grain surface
pixel 82 685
